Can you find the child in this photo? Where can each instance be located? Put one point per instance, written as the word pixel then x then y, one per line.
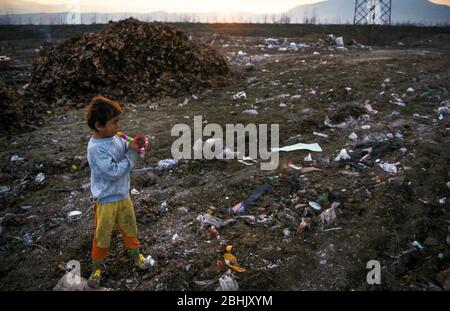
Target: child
pixel 111 161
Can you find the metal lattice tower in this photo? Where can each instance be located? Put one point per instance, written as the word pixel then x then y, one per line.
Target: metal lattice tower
pixel 372 12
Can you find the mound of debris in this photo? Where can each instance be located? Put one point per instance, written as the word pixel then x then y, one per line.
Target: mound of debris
pixel 15 113
pixel 128 59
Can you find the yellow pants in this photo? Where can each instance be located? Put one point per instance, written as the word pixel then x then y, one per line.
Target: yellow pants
pixel 107 216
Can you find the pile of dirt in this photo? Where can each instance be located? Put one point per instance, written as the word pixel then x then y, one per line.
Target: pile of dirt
pixel 9 105
pixel 128 59
pixel 15 113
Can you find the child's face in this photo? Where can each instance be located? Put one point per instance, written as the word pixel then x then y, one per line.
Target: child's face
pixel 110 129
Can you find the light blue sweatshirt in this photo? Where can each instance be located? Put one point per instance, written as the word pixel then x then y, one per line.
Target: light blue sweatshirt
pixel 110 161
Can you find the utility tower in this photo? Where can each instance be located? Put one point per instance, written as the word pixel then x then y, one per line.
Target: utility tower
pixel 372 12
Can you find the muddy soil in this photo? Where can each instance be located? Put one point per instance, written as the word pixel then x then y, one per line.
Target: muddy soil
pixel 379 217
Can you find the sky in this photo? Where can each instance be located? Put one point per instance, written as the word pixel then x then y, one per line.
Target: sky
pixel 253 6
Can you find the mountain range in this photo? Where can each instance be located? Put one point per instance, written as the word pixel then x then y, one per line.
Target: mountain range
pixel 421 12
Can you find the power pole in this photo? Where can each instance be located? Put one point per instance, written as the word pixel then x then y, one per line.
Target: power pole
pixel 371 13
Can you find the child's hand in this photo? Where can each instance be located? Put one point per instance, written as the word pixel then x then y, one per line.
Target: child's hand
pixel 142 142
pixel 133 145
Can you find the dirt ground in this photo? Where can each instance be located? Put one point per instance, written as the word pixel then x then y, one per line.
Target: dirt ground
pixel 380 214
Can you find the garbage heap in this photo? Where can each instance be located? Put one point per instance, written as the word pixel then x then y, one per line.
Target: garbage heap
pixel 129 59
pixel 10 105
pixel 16 114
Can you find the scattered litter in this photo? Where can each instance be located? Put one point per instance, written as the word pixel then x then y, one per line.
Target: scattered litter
pixel 343 155
pixel 175 237
pixel 205 283
pixel 259 191
pixel 66 283
pixel 417 245
pixel 295 167
pixel 370 109
pixel 328 216
pixel 214 221
pixel 398 135
pixel 315 205
pixel 340 41
pixel 350 174
pixel 390 168
pixel 186 101
pixel 311 147
pixel 249 219
pixel 4 189
pixel 320 134
pixel 251 112
pixel 163 207
pixel 310 169
pixel 16 158
pixel 4 58
pixel 240 95
pixel 283 105
pixel 353 136
pixel 341 125
pixel 397 100
pixel 27 239
pixel 241 53
pixel 74 215
pixel 26 207
pixel 150 260
pixel 410 90
pixel 444 110
pixel 227 282
pixel 305 223
pixel 166 164
pixel 322 197
pixel 332 229
pixel 214 232
pixel 238 208
pixel 231 260
pixel 264 219
pixel 183 210
pixel 308 158
pixel 286 232
pixel 40 177
pixel 134 191
pixel 365 127
pixel 244 162
pixel 442 201
pixel 386 83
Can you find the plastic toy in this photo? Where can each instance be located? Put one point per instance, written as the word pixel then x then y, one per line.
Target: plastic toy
pixel 141 140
